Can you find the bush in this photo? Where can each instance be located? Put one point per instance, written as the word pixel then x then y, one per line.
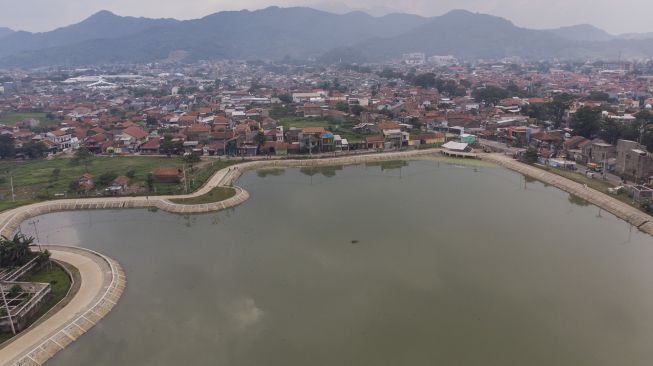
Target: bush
pixel 15 290
pixel 105 178
pixel 131 174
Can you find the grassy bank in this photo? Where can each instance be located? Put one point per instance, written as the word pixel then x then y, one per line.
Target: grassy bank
pixel 38 180
pixel 61 283
pixel 217 194
pixel 596 184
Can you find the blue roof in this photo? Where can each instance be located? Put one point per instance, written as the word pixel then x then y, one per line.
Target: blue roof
pixel 327 136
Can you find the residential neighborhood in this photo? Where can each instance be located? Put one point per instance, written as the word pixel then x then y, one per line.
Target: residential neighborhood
pixel 595 115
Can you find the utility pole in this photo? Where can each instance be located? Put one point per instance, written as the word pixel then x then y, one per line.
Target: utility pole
pixel 4 298
pixel 36 232
pixel 185 180
pixel 13 196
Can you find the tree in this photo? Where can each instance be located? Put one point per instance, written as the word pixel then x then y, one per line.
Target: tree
pixel 611 131
pixel 191 159
pixel 490 94
pixel 151 121
pixel 259 138
pixel 286 98
pixel 15 252
pixel 426 80
pixel 83 156
pixel 7 148
pixel 342 106
pixel 357 109
pixel 598 96
pixel 586 122
pixel 149 180
pixel 73 186
pixel 530 156
pixel 34 150
pixel 558 106
pixel 106 178
pixel 170 147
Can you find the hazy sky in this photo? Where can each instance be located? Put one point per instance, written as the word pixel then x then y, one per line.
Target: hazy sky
pixel 615 16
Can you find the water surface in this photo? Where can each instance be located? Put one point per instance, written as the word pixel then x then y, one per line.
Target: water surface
pixel 419 263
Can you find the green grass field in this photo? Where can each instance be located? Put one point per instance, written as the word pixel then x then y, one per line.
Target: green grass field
pixel 217 194
pixel 13 118
pixel 343 129
pixel 36 180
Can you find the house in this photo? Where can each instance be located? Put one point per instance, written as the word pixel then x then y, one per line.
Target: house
pixel 134 136
pixel 151 147
pixel 375 142
pixel 60 138
pixel 599 152
pixel 119 185
pixel 198 132
pixel 85 182
pixel 633 160
pixel 309 110
pixel 435 138
pixel 312 139
pixel 247 150
pixel 167 175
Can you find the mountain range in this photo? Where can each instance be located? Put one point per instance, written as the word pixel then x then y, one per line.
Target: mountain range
pixel 301 33
pixel 588 32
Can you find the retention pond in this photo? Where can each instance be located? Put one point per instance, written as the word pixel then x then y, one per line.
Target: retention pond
pixel 403 263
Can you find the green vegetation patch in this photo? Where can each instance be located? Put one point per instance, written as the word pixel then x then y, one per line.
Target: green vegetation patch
pixel 342 127
pixel 37 180
pixel 60 283
pixel 13 118
pixel 217 194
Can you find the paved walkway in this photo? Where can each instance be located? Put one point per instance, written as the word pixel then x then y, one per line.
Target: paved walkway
pixel 11 219
pixel 103 281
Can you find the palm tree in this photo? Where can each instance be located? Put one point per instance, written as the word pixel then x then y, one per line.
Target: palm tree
pixel 15 251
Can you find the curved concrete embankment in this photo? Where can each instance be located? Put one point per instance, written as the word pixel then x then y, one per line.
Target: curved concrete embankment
pixel 10 220
pixel 620 209
pixel 103 282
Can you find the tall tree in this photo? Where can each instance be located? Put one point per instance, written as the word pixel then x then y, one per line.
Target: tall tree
pixel 586 121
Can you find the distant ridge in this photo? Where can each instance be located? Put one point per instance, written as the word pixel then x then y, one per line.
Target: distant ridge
pixel 582 32
pixel 4 31
pixel 301 33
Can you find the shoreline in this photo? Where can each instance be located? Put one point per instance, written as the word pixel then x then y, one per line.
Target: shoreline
pixel 103 282
pixel 36 349
pixel 629 214
pixel 10 220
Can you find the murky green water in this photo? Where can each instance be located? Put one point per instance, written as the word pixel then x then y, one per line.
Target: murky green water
pixel 423 263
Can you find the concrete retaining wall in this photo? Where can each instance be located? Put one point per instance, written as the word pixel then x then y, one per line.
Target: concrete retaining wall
pixel 620 209
pixel 58 339
pixel 11 220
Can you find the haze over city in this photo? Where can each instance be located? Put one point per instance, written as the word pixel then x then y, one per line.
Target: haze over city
pixel 337 182
pixel 623 17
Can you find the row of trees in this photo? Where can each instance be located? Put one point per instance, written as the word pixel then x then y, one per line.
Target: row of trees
pixel 15 252
pixel 588 122
pixel 32 150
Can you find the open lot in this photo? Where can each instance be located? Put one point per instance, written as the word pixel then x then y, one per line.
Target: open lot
pixel 340 127
pixel 13 118
pixel 36 180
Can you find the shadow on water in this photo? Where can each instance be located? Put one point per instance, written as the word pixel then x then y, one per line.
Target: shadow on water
pixel 388 165
pixel 578 201
pixel 326 171
pixel 274 172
